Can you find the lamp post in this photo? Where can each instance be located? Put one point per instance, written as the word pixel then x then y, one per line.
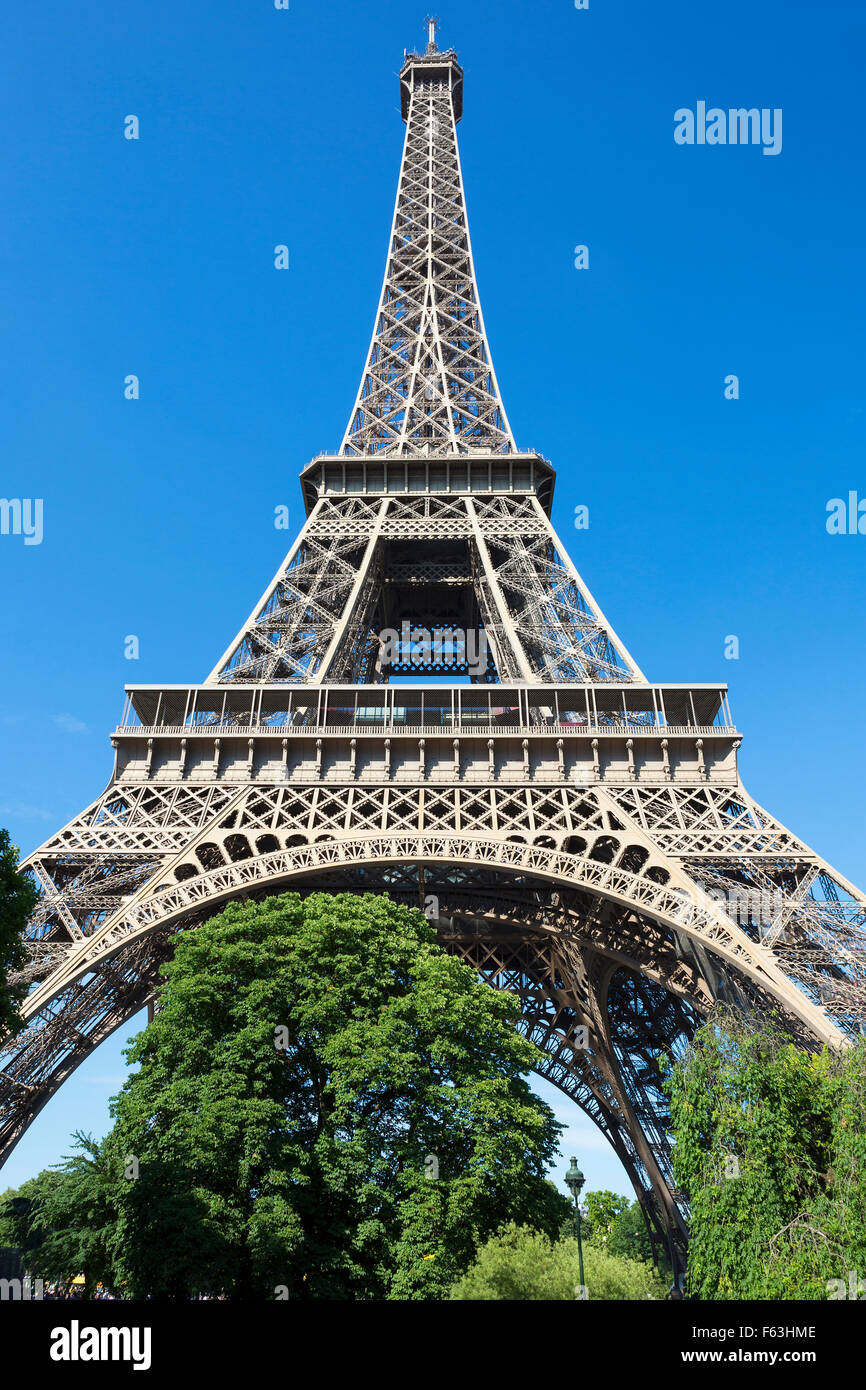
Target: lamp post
pixel 575 1180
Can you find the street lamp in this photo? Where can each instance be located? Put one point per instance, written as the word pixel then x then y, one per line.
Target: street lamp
pixel 574 1181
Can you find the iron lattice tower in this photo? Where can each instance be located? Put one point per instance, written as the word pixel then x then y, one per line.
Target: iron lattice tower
pixel 580 834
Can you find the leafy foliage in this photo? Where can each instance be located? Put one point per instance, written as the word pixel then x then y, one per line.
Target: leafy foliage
pixel 771 1150
pixel 616 1224
pixel 62 1220
pixel 307 1167
pixel 602 1209
pixel 629 1236
pixel 18 897
pixel 519 1263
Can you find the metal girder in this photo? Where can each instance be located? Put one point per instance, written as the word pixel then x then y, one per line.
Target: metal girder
pixel 428 383
pixel 321 617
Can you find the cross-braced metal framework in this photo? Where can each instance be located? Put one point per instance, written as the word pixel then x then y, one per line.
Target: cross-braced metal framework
pixel 429 384
pixel 492 566
pixel 581 835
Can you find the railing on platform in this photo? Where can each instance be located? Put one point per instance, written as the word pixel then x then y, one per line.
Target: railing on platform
pixel 423 730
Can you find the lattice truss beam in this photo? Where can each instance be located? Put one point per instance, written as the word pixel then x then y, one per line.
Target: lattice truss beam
pixel 766 881
pixel 428 384
pixel 323 615
pixel 146 858
pixel 556 979
pixel 560 631
pixel 290 632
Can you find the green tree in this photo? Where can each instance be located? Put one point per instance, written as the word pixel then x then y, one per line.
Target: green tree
pixel 21 1224
pixel 602 1210
pixel 629 1236
pixel 63 1220
pixel 615 1224
pixel 770 1147
pixel 522 1264
pixel 18 897
pixel 312 1066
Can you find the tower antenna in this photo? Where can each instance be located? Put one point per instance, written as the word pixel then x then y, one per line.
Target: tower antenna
pixel 432 25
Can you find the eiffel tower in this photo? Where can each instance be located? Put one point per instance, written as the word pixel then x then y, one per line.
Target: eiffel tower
pixel 579 834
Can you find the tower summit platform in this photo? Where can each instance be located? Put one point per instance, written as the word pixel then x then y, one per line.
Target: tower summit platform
pixel 431 67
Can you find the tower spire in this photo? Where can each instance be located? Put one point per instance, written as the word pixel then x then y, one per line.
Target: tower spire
pixel 432 26
pixel 428 386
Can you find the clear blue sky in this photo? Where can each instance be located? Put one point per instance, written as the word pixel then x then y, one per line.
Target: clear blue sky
pixel 258 127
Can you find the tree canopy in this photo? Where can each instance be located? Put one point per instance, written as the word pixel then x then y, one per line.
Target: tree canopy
pixel 770 1148
pixel 327 1106
pixel 522 1264
pixel 62 1220
pixel 617 1225
pixel 18 897
pixel 602 1209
